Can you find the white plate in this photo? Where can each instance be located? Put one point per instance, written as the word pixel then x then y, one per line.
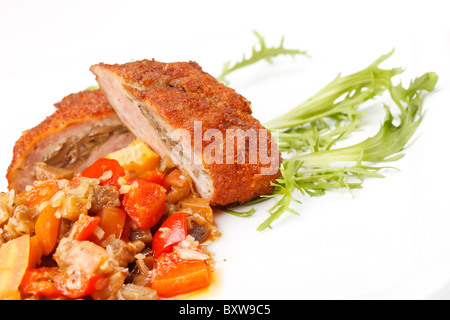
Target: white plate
pixel 391 240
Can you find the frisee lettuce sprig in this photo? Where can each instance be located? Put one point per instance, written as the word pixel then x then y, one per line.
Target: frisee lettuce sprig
pixel 308 134
pixel 331 114
pixel 263 53
pixel 314 173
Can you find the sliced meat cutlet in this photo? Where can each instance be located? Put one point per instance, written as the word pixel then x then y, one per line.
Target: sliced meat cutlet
pixel 155 100
pixel 83 128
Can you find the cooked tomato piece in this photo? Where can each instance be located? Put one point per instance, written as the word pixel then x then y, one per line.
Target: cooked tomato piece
pixel 145 202
pixel 171 232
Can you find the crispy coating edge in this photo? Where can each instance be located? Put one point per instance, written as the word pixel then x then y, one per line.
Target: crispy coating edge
pixel 72 108
pixel 182 93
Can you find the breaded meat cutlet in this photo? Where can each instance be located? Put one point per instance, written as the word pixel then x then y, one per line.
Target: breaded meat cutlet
pixel 165 103
pixel 83 128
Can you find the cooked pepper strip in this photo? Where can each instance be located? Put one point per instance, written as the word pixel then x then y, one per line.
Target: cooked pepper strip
pixel 76 285
pixel 171 232
pixel 174 179
pixel 155 176
pixel 40 282
pixel 174 276
pixel 101 167
pixel 83 228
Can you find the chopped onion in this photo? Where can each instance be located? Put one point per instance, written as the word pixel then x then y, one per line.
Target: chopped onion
pixel 188 250
pixel 190 254
pixel 98 232
pixel 125 188
pixel 106 175
pixel 57 199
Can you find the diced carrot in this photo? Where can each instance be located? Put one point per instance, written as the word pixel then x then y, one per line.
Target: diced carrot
pixel 174 276
pixel 47 227
pixel 14 257
pixel 111 221
pixel 83 228
pixel 35 252
pixel 38 195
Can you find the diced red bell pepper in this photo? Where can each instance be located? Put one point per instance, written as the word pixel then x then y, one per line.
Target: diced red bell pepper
pixel 145 202
pixel 40 282
pixel 77 285
pixel 83 228
pixel 171 232
pixel 102 165
pixel 174 276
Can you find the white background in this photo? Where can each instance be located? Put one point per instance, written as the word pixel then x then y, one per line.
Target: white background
pixel 391 241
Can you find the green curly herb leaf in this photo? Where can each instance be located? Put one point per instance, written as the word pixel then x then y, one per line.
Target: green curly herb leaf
pixel 263 53
pixel 91 88
pixel 331 115
pixel 324 168
pixel 241 213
